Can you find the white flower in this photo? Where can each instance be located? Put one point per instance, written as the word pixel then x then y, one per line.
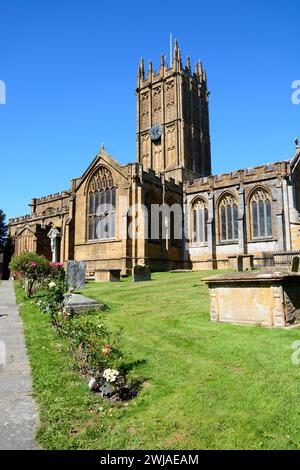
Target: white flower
pixel 110 375
pixel 51 285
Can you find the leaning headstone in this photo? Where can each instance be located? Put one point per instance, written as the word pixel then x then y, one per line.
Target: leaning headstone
pixel 295 264
pixel 75 274
pixel 141 273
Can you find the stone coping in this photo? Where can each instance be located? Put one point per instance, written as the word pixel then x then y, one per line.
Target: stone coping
pixel 107 270
pixel 241 256
pixel 251 277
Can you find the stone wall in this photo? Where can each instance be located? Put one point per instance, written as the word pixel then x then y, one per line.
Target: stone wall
pixel 29 232
pixel 240 185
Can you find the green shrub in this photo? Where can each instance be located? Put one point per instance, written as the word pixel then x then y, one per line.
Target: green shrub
pixel 94 346
pixel 52 298
pixel 30 268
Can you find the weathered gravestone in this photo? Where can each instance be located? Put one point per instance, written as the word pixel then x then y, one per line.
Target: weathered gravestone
pixel 76 303
pixel 295 264
pixel 141 273
pixel 75 274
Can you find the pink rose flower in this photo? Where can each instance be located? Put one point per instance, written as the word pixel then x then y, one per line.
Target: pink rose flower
pixel 56 265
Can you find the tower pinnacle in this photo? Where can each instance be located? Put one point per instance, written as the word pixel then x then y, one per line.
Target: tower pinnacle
pixel 141 73
pixel 175 100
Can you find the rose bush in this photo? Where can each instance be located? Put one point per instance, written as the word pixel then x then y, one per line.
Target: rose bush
pixel 52 298
pixel 96 349
pixel 30 268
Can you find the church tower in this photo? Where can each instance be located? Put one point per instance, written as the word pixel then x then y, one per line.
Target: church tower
pixel 173 119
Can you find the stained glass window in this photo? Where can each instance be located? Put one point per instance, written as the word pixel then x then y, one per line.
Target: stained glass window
pixel 91 211
pixel 261 214
pixel 229 230
pixel 102 207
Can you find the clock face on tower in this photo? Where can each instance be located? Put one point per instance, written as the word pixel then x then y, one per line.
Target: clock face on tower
pixel 155 132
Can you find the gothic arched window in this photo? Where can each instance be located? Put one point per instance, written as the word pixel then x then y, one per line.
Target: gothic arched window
pixel 261 214
pixel 228 217
pixel 199 221
pixel 101 206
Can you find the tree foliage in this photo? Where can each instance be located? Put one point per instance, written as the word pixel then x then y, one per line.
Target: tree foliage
pixel 3 230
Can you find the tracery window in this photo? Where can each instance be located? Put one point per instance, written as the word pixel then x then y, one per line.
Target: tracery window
pixel 101 206
pixel 228 218
pixel 199 221
pixel 261 214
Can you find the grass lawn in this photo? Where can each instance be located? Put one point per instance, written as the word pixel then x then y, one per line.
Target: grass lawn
pixel 208 386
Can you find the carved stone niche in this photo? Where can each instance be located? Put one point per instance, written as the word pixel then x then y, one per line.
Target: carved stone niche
pixel 265 298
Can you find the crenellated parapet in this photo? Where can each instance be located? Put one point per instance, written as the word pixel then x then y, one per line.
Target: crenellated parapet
pixel 52 197
pixel 257 173
pixel 47 213
pixel 45 207
pixel 161 179
pixel 137 173
pixel 20 219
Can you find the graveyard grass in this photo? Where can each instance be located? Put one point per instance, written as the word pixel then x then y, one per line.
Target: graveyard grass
pixel 207 386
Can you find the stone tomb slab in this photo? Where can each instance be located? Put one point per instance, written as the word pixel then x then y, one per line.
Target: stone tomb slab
pixel 77 303
pixel 266 298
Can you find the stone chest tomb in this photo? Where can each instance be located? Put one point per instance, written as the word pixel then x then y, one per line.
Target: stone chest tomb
pixel 265 298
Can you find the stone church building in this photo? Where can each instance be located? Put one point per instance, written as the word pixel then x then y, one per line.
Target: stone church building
pixel 247 212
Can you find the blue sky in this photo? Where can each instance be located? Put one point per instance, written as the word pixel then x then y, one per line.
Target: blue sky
pixel 70 71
